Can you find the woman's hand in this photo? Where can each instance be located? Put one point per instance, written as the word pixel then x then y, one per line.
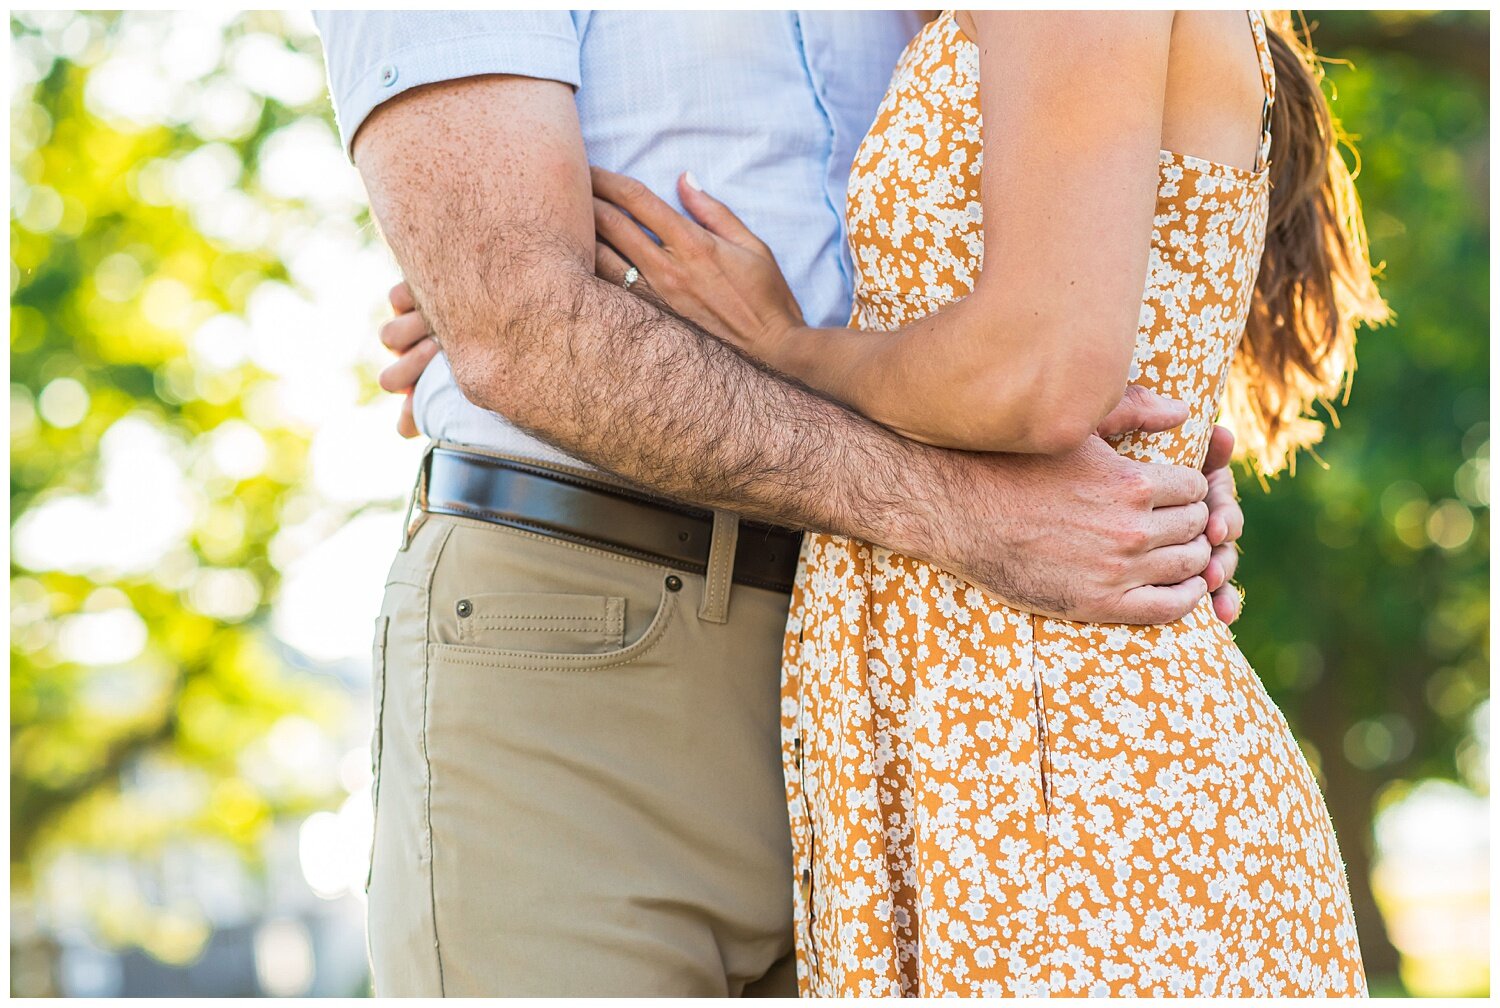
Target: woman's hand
pixel 714 272
pixel 410 338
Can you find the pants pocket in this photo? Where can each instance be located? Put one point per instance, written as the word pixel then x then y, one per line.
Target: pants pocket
pixel 377 733
pixel 542 621
pixel 616 657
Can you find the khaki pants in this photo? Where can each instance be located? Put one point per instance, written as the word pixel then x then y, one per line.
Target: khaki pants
pixel 578 786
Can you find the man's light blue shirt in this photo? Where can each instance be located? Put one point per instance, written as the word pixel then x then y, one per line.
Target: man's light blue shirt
pixel 766 109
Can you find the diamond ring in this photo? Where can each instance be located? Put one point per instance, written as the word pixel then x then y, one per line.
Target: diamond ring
pixel 631 276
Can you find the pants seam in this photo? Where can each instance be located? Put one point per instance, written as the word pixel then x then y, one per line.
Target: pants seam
pixel 437 947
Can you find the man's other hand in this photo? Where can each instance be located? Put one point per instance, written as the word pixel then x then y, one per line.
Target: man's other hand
pixel 1225 523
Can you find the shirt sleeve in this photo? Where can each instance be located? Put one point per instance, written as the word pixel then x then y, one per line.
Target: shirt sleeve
pixel 372 56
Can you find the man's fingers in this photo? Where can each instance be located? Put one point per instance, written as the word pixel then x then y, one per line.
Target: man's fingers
pixel 1173 564
pixel 1172 526
pixel 1157 604
pixel 1213 574
pixel 1174 485
pixel 714 215
pixel 1227 557
pixel 1144 410
pixel 1226 520
pixel 406 423
pixel 1220 449
pixel 1222 565
pixel 1224 505
pixel 1227 603
pixel 404 331
pixel 1216 528
pixel 401 298
pixel 403 374
pixel 636 199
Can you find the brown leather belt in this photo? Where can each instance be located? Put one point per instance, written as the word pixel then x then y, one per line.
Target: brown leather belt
pixel 592 513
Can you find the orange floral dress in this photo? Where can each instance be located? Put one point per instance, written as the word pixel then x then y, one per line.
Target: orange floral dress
pixel 985 801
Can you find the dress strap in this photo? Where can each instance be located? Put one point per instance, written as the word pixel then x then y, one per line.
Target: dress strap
pixel 1268 81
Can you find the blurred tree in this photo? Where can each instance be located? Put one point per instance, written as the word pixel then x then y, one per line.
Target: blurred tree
pixel 1450 38
pixel 1367 593
pixel 151 467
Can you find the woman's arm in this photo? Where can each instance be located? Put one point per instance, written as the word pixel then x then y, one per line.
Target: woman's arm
pixel 1039 354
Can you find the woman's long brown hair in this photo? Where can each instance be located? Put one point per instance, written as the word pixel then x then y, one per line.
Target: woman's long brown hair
pixel 1315 284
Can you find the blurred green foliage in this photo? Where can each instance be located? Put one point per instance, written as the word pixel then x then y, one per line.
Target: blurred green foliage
pixel 1366 580
pixel 110 277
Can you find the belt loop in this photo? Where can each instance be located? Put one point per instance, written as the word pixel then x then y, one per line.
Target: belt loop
pixel 418 500
pixel 719 577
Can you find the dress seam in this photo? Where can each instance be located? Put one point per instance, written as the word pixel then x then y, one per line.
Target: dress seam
pixel 1040 703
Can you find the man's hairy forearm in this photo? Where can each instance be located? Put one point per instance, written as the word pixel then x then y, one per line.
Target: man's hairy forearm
pixel 614 380
pixel 481 186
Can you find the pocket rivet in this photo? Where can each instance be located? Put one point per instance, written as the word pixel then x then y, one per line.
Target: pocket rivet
pixel 674 583
pixel 465 607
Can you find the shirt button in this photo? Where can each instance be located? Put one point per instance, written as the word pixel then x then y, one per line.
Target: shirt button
pixel 387 75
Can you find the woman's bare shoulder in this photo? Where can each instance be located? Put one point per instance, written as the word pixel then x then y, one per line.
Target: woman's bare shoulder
pixel 1012 28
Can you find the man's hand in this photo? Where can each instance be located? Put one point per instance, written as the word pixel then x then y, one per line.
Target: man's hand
pixel 1225 523
pixel 410 338
pixel 1094 536
pixel 1090 536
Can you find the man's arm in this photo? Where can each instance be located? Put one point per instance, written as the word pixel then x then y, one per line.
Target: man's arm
pixel 481 187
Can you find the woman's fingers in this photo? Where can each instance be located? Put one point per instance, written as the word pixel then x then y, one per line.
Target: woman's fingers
pixel 404 372
pixel 650 210
pixel 608 265
pixel 404 331
pixel 625 236
pixel 407 335
pixel 406 423
pixel 401 298
pixel 715 216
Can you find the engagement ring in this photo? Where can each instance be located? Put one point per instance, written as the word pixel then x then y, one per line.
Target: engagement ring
pixel 631 276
